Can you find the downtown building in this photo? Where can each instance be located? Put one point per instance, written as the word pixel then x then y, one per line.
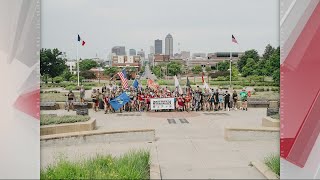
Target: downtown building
pixel 119 50
pixel 126 61
pixel 158 46
pixel 132 52
pixel 169 45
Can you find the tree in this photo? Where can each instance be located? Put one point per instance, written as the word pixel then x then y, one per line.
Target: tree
pixel 268 52
pixel 208 69
pixel 87 64
pixel 250 68
pixel 157 71
pixel 111 71
pixel 197 69
pixel 174 68
pixel 223 66
pixel 253 54
pixel 88 74
pixel 66 75
pixel 51 63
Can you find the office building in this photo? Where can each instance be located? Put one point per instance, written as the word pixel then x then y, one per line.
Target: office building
pixel 132 52
pixel 119 50
pixel 158 46
pixel 169 45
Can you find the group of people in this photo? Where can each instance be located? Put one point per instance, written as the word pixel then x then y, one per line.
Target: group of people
pixel 197 99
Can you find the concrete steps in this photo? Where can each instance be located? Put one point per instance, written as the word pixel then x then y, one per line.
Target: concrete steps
pixel 238 133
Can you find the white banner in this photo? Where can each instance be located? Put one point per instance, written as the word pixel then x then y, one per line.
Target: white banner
pixel 162 103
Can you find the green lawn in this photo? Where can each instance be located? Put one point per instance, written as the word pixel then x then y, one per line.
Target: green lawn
pixel 273 162
pixel 47 119
pixel 132 165
pixel 57 97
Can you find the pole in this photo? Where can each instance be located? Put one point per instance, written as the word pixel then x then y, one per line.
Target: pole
pixel 78 63
pixel 230 68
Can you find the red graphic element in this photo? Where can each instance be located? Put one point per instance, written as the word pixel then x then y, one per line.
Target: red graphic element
pixel 29 103
pixel 300 101
pixel 83 43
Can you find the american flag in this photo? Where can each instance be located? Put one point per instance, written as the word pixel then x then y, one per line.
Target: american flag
pixel 234 39
pixel 123 77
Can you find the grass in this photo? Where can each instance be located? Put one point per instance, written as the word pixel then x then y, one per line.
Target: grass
pixel 273 162
pixel 47 119
pixel 57 97
pixel 268 95
pixel 132 165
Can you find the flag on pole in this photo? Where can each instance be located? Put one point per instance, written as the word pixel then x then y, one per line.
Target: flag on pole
pixel 177 85
pixel 234 39
pixel 188 83
pixel 79 39
pixel 152 85
pixel 123 77
pixel 135 84
pixel 120 101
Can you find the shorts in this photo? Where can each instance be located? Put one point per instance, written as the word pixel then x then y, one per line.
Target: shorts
pixel 220 100
pixel 70 101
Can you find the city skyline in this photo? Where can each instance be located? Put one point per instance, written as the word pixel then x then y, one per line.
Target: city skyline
pixel 101 25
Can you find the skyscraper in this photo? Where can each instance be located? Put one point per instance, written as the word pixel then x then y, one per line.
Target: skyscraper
pixel 132 52
pixel 158 46
pixel 169 45
pixel 151 50
pixel 119 50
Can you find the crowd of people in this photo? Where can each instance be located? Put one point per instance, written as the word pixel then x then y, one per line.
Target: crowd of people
pixel 197 99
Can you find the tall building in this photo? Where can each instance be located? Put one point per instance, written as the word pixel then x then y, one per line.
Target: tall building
pixel 158 46
pixel 151 49
pixel 141 54
pixel 119 50
pixel 132 52
pixel 169 45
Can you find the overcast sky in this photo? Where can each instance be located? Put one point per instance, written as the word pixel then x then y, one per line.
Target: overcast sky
pixel 198 25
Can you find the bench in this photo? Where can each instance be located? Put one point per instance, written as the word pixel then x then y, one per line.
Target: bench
pixel 48 105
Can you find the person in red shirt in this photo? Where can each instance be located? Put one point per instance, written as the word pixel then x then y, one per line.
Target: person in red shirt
pixel 180 103
pixel 106 103
pixel 141 98
pixel 147 100
pixel 188 101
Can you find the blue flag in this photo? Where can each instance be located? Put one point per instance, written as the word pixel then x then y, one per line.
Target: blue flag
pixel 120 101
pixel 135 84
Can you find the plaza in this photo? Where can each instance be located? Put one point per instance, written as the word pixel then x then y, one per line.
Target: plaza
pixel 186 145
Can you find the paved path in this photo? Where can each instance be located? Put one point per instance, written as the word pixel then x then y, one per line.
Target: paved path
pixel 193 147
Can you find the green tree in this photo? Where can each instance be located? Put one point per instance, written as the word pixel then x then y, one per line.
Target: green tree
pixel 174 68
pixel 234 71
pixel 197 69
pixel 276 76
pixel 87 64
pixel 223 66
pixel 250 68
pixel 51 63
pixel 268 52
pixel 87 74
pixel 208 68
pixel 111 71
pixel 66 75
pixel 157 70
pixel 252 54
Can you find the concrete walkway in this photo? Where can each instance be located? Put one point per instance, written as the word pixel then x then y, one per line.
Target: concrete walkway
pixel 193 147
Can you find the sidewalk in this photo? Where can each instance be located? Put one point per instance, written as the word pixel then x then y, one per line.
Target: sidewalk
pixel 193 147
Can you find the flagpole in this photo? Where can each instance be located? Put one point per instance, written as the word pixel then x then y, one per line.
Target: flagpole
pixel 230 68
pixel 78 63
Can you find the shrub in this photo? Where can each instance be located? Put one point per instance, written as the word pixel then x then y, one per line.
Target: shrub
pixel 49 119
pixel 273 162
pixel 259 89
pixel 58 79
pixel 132 165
